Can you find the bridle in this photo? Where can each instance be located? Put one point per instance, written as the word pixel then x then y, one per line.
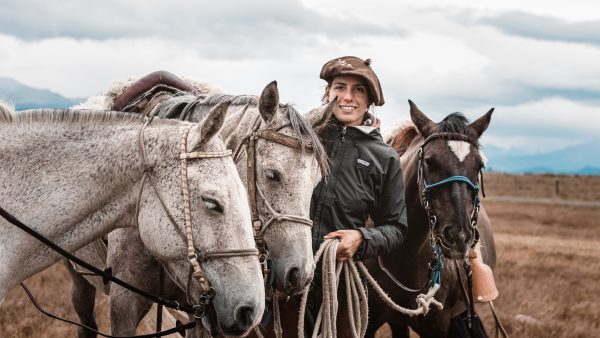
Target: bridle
pixel 254 191
pixel 207 291
pixel 436 264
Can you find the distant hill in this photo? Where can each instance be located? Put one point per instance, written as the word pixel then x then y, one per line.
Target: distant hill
pixel 580 159
pixel 25 97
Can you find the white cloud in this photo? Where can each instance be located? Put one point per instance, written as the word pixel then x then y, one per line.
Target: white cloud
pixel 421 50
pixel 544 125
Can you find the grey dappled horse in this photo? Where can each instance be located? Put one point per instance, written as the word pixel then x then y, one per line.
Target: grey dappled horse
pixel 285 178
pixel 453 206
pixel 75 176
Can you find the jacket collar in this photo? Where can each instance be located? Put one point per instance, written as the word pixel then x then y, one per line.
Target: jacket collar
pixel 361 131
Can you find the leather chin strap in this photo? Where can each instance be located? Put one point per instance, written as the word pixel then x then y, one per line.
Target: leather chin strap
pixel 193 258
pixel 254 190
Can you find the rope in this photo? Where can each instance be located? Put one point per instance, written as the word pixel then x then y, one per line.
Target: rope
pixel 357 302
pixel 277 321
pixel 424 301
pixel 355 292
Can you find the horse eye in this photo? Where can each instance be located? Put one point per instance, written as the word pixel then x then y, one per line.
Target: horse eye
pixel 212 204
pixel 430 162
pixel 272 175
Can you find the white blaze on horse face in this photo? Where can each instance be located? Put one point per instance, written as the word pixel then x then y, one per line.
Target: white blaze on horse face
pixel 460 148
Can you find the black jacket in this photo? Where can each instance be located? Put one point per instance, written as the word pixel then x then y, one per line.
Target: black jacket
pixel 365 180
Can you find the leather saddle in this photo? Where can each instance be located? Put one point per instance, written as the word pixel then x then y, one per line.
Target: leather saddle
pixel 145 94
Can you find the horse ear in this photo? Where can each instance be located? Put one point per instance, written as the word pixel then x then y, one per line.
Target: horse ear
pixel 318 117
pixel 422 122
pixel 269 102
pixel 481 124
pixel 210 126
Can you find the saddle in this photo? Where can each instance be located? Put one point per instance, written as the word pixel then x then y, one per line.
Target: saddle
pixel 145 94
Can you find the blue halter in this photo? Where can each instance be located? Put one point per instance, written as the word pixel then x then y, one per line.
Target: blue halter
pixel 428 187
pixel 436 265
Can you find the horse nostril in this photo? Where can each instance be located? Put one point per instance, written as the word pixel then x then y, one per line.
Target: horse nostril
pixel 245 316
pixel 454 235
pixel 293 278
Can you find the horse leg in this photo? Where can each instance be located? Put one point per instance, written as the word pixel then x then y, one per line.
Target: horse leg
pixel 399 330
pixel 130 261
pixel 126 311
pixel 83 298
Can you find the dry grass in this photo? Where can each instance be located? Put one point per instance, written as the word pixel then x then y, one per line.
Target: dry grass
pixel 548 269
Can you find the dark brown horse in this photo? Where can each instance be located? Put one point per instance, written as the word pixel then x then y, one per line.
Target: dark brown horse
pixel 452 152
pixel 455 153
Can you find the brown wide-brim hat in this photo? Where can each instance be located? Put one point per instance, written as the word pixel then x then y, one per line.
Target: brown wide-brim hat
pixel 351 65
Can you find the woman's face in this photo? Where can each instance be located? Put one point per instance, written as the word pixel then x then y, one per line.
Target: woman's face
pixel 353 99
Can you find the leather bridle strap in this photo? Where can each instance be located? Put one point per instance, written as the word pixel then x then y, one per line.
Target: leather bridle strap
pixel 285 140
pixel 192 257
pixel 254 191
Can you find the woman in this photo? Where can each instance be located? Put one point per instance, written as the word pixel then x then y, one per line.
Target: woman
pixel 365 176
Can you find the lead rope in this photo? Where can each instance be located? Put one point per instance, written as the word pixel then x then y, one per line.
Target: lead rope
pixel 357 300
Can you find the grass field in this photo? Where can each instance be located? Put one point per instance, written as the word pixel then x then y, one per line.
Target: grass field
pixel 548 269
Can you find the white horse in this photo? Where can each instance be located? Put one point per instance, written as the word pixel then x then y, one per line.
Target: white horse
pixel 75 176
pixel 285 178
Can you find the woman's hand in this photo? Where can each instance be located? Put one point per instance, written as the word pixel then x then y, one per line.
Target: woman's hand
pixel 350 240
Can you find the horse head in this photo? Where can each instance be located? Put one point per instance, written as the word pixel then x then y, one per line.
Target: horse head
pixel 207 227
pixel 282 165
pixel 449 168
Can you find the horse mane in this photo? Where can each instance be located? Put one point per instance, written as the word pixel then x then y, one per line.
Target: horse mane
pixel 53 116
pixel 203 104
pixel 6 112
pixel 457 123
pixel 401 134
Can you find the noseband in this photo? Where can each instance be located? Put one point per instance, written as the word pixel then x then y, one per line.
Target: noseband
pixel 254 190
pixel 194 259
pixel 435 238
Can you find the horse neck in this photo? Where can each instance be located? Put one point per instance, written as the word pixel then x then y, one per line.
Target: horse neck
pixel 85 186
pixel 415 253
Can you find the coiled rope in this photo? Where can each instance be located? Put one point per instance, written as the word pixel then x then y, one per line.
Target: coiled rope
pixel 357 302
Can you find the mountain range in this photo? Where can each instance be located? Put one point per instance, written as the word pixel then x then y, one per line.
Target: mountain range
pixel 25 97
pixel 580 159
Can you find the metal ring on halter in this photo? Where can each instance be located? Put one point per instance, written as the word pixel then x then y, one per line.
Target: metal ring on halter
pixel 199 311
pixel 433 219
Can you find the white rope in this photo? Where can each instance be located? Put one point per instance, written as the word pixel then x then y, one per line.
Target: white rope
pixel 357 302
pixel 424 301
pixel 325 325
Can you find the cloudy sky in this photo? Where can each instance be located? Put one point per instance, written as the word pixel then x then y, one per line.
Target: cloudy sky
pixel 537 62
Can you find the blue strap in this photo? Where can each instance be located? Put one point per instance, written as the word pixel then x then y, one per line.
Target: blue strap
pixel 463 179
pixel 437 265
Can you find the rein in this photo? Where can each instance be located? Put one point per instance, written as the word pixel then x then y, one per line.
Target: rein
pixel 254 192
pixel 106 278
pixel 179 327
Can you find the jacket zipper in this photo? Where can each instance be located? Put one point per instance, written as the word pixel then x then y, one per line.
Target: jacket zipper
pixel 343 134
